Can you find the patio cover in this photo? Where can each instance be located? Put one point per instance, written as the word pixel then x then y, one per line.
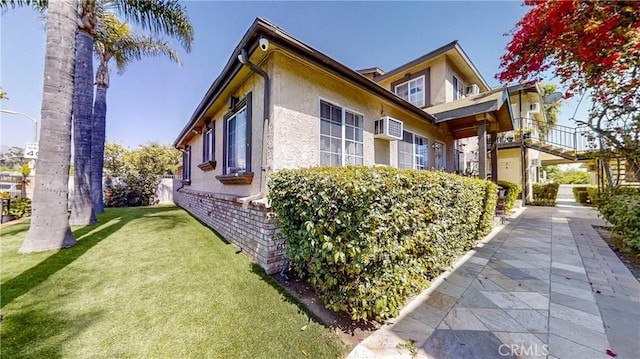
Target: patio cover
pixel 462 116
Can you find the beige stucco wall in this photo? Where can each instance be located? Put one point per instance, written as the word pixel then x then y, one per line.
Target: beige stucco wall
pixel 442 71
pixel 205 180
pixel 439 82
pixel 294 130
pixel 522 112
pixel 297 91
pixel 510 165
pixel 441 87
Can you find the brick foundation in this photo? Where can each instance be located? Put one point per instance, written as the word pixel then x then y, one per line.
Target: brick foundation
pixel 253 229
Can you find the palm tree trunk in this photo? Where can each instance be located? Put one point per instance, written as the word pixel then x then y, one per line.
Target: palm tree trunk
pixel 49 219
pixel 81 204
pixel 98 137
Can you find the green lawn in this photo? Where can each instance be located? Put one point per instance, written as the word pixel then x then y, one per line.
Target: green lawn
pixel 149 282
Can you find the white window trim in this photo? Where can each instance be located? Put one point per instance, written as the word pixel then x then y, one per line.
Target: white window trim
pixel 210 155
pixel 457 94
pixel 443 148
pixel 343 125
pixel 226 159
pixel 186 163
pixel 424 85
pixel 414 156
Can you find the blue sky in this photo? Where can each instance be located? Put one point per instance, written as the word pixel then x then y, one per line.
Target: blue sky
pixel 155 98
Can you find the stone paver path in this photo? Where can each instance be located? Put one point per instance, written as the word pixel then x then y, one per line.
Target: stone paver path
pixel 544 285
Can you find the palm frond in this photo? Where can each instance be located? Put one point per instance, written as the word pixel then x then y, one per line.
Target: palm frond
pixel 158 16
pixel 116 40
pixel 139 47
pixel 40 5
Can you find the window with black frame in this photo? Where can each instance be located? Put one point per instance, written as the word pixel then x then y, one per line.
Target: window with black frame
pixel 186 164
pixel 208 144
pixel 237 143
pixel 208 147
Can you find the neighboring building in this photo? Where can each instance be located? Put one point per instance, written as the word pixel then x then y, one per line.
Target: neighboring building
pixel 279 103
pixel 526 108
pixel 518 163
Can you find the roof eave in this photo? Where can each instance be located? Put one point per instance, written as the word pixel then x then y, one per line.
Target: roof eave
pixel 439 51
pixel 281 38
pixel 231 68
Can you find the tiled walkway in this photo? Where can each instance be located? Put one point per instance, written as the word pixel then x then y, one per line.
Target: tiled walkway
pixel 545 285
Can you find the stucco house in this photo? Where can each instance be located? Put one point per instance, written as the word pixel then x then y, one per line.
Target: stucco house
pixel 279 103
pixel 516 161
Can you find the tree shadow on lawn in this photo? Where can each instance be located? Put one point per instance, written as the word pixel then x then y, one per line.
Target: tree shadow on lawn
pixel 298 292
pixel 87 236
pixel 32 333
pixel 15 229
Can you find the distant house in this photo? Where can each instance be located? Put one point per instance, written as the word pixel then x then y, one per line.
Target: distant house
pixel 279 103
pixel 513 150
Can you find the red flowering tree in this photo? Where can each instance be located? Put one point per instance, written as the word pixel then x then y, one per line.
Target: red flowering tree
pixel 591 46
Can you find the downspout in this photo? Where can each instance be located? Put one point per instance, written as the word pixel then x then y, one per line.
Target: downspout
pixel 244 59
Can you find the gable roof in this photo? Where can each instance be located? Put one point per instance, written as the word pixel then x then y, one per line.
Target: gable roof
pixel 454 45
pixel 461 114
pixel 264 28
pixel 376 70
pixel 471 105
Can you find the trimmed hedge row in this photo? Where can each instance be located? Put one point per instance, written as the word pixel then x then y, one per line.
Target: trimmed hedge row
pixel 593 193
pixel 621 207
pixel 367 238
pixel 20 207
pixel 544 194
pixel 513 191
pixel 585 194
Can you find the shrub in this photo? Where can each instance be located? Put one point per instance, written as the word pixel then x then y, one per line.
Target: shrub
pixel 585 194
pixel 367 238
pixel 593 194
pixel 131 191
pixel 513 191
pixel 571 176
pixel 580 194
pixel 543 202
pixel 544 194
pixel 490 199
pixel 20 207
pixel 621 207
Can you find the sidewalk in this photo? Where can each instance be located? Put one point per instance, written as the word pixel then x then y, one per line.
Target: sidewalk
pixel 544 285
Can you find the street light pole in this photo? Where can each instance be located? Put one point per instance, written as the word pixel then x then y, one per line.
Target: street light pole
pixel 35 122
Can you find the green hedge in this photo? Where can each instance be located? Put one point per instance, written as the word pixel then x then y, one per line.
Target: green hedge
pixel 20 207
pixel 544 194
pixel 512 193
pixel 368 238
pixel 593 194
pixel 585 194
pixel 621 207
pixel 580 194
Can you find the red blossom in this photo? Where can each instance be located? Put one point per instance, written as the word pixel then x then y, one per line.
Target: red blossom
pixel 585 43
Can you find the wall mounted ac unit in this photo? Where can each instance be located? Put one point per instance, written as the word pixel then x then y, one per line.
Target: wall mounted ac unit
pixel 534 107
pixel 472 89
pixel 388 128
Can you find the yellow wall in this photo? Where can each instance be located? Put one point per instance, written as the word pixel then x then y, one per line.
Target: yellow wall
pixel 522 112
pixel 297 91
pixel 293 137
pixel 509 165
pixel 442 70
pixel 205 180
